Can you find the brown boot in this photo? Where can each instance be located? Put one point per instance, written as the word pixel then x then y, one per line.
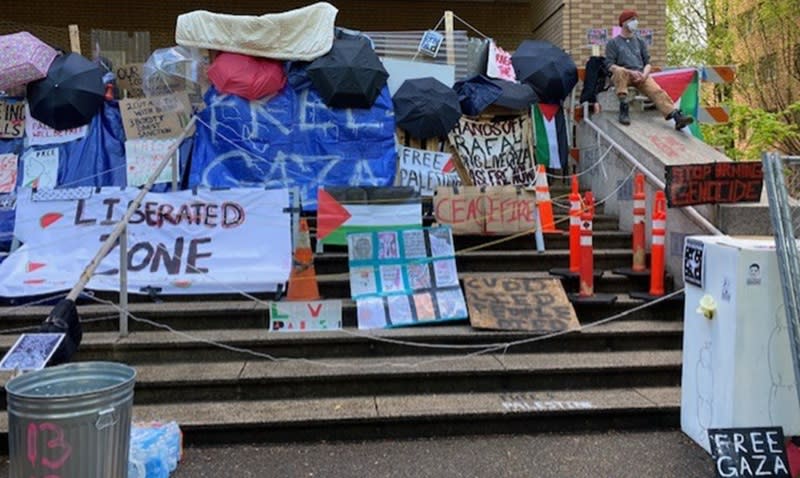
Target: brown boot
pixel 681 120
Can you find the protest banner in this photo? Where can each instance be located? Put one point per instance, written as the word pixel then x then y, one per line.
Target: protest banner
pixel 129 80
pixel 743 452
pixel 8 172
pixel 714 183
pixel 155 117
pixel 40 168
pixel 425 170
pixel 404 277
pixel 12 119
pixel 485 210
pixel 519 303
pixel 305 316
pixel 143 156
pixel 181 242
pixel 39 133
pixel 499 64
pixel 495 153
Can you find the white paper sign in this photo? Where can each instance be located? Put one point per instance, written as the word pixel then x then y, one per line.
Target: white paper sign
pixel 39 133
pixel 183 243
pixel 305 316
pixel 143 157
pixel 499 64
pixel 40 169
pixel 425 170
pixel 8 172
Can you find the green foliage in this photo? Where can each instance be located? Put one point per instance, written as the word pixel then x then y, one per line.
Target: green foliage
pixel 752 131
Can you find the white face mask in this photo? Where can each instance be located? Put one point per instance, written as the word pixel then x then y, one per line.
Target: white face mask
pixel 633 25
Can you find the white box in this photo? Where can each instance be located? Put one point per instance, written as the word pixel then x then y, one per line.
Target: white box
pixel 737 367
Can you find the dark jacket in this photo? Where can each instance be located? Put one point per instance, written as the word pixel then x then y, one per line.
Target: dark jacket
pixel 595 80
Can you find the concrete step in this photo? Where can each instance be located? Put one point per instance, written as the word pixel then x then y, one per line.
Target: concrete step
pixel 498 261
pixel 415 415
pixel 232 313
pixel 166 347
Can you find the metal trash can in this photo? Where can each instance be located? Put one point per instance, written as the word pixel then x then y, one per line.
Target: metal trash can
pixel 71 421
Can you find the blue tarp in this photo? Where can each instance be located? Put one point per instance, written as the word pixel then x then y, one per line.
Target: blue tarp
pixel 293 139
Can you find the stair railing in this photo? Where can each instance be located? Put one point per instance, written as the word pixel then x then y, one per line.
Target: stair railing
pixel 784 225
pixel 690 211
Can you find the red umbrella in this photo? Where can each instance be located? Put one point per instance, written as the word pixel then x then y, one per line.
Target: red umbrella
pixel 246 76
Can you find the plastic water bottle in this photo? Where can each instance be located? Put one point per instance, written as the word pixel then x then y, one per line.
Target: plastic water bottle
pixel 155 450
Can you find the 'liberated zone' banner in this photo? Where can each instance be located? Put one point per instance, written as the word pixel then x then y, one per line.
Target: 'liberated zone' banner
pixel 495 153
pixel 181 242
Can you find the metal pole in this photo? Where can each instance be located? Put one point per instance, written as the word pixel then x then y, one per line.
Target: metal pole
pixel 688 210
pixel 123 283
pixel 175 172
pixel 786 248
pixel 112 238
pixel 538 233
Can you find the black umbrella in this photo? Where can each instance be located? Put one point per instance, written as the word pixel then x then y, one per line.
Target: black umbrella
pixel 350 75
pixel 70 95
pixel 476 93
pixel 515 96
pixel 426 107
pixel 547 68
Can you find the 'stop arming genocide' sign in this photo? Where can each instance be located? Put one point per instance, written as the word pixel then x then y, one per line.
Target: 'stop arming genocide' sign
pixel 495 153
pixel 485 209
pixel 155 117
pixel 519 303
pixel 744 452
pixel 714 183
pixel 12 119
pixel 425 170
pixel 180 242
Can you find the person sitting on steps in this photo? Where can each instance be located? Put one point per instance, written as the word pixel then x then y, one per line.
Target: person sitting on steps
pixel 628 61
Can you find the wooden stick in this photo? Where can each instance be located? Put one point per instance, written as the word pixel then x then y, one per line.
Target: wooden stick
pixel 449 37
pixel 75 39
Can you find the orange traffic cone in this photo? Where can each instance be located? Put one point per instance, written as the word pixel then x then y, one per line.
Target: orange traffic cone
pixel 303 279
pixel 543 201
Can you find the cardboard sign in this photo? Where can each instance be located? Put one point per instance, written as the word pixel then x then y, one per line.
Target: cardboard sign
pixel 744 452
pixel 12 119
pixel 404 277
pixel 39 133
pixel 305 316
pixel 495 153
pixel 40 168
pixel 8 172
pixel 425 170
pixel 714 183
pixel 485 210
pixel 499 64
pixel 31 352
pixel 519 303
pixel 143 156
pixel 155 117
pixel 129 80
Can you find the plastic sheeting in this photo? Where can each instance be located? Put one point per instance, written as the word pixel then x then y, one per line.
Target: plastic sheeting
pixel 293 139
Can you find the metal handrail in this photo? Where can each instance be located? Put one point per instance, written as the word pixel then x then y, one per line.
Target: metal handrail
pixel 652 178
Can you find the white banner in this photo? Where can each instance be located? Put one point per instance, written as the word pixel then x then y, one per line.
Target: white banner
pixel 499 64
pixel 38 133
pixel 425 170
pixel 183 243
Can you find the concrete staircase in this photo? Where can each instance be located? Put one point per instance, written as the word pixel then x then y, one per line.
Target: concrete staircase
pixel 352 384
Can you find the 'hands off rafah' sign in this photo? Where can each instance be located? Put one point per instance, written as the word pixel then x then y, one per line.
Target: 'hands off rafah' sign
pixel 180 242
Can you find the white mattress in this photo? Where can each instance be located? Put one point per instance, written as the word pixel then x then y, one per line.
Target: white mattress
pixel 302 34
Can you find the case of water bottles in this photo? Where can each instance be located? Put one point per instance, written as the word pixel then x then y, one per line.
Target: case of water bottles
pixel 155 449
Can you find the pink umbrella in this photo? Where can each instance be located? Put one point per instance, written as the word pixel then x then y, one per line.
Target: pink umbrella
pixel 23 58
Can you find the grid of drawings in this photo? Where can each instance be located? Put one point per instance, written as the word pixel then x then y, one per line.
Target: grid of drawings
pixel 404 277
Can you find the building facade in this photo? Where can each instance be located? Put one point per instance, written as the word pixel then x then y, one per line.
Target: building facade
pixel 564 22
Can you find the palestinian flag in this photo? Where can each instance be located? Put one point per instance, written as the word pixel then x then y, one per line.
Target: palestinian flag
pixel 683 86
pixel 342 210
pixel 550 132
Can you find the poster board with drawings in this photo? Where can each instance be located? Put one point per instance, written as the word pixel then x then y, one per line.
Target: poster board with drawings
pixel 8 172
pixel 500 302
pixel 305 316
pixel 40 168
pixel 405 277
pixel 486 210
